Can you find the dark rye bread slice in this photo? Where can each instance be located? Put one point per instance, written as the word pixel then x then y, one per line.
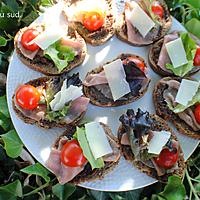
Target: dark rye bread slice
pixel 88 174
pixel 163 111
pixel 47 66
pixel 91 92
pixel 121 27
pixel 101 35
pixel 158 125
pixel 42 123
pixel 153 57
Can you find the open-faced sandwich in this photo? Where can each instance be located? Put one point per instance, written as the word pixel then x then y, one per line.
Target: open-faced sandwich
pixel 51 50
pixel 117 82
pixel 177 54
pixel 143 22
pixel 51 101
pixel 84 153
pixel 178 101
pixel 150 145
pixel 94 20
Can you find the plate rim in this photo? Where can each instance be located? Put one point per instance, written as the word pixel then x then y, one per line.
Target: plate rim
pixel 81 185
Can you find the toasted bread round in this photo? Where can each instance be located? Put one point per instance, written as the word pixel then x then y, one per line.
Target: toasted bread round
pixel 47 66
pixel 163 110
pixel 121 28
pixel 88 174
pixel 153 57
pixel 43 122
pixel 159 125
pixel 91 93
pixel 101 35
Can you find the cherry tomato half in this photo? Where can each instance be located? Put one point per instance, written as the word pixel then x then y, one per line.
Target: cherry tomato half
pixel 167 159
pixel 27 37
pixel 197 113
pixel 137 61
pixel 93 21
pixel 157 9
pixel 72 154
pixel 27 97
pixel 197 57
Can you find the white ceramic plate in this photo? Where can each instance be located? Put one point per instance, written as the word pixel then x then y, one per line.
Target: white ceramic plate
pixel 39 141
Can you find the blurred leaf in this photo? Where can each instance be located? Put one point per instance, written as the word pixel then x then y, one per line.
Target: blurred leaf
pixel 155 197
pixel 197 177
pixel 80 194
pixel 37 169
pixel 7 23
pixel 13 144
pixel 5 122
pixel 11 191
pixel 12 4
pixel 3 41
pixel 99 195
pixel 197 187
pixel 7 166
pixel 4 107
pixel 134 194
pixel 63 192
pixel 194 3
pixel 30 17
pixel 46 3
pixel 174 190
pixel 193 26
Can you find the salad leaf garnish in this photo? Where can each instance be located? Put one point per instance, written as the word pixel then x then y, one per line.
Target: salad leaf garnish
pixel 61 55
pixel 137 126
pixel 134 77
pixel 190 49
pixel 57 115
pixel 139 122
pixel 81 136
pixel 180 108
pixel 54 85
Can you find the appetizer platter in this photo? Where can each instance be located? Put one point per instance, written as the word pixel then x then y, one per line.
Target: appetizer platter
pixel 105 109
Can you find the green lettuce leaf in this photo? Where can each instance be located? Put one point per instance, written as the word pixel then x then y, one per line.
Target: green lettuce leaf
pixel 57 115
pixel 190 49
pixel 61 55
pixel 81 136
pixel 180 108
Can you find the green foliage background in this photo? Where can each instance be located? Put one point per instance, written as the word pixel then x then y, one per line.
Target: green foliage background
pixel 21 177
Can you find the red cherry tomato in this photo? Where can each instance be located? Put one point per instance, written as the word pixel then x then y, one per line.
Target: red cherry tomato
pixel 137 61
pixel 157 9
pixel 72 154
pixel 93 21
pixel 167 159
pixel 27 97
pixel 197 57
pixel 197 113
pixel 27 37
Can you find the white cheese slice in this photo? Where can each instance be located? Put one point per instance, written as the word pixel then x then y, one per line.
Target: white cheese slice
pixel 176 52
pixel 116 77
pixel 186 91
pixel 49 36
pixel 56 26
pixel 65 95
pixel 160 138
pixel 140 20
pixel 54 16
pixel 97 140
